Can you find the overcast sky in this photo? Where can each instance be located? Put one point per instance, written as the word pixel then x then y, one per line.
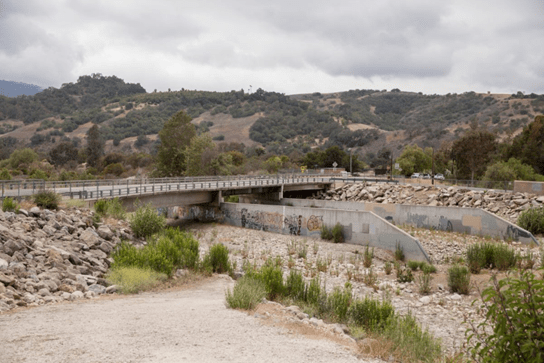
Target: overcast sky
pixel 284 46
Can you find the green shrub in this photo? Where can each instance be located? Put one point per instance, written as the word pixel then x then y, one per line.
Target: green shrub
pixel 414 265
pixel 404 275
pixel 388 268
pixel 47 199
pixel 370 314
pixel 315 293
pixel 532 220
pixel 38 174
pixel 424 283
pixel 326 233
pixel 410 341
pixel 339 301
pixel 101 206
pixel 232 199
pixel 399 253
pixel 218 259
pixel 338 233
pixel 164 252
pixel 146 221
pixel 246 294
pixel 428 269
pixel 295 286
pixel 272 277
pixel 459 279
pixel 514 310
pixel 490 255
pixel 9 205
pixel 132 280
pixel 368 255
pixel 110 208
pixel 4 174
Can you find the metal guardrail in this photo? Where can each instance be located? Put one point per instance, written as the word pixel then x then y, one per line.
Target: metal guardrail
pixel 96 189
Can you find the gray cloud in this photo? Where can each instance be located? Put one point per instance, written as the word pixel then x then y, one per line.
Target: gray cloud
pixel 285 45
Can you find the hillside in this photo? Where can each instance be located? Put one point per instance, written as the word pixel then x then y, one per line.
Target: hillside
pixel 364 119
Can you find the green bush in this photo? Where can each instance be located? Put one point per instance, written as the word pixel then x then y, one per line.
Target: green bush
pixel 38 174
pixel 514 310
pixel 4 174
pixel 399 253
pixel 368 255
pixel 9 205
pixel 326 233
pixel 272 277
pixel 47 199
pixel 338 233
pixel 490 255
pixel 414 265
pixel 110 208
pixel 459 279
pixel 295 286
pixel 424 283
pixel 410 341
pixel 246 294
pixel 428 269
pixel 339 301
pixel 532 220
pixel 218 259
pixel 164 252
pixel 370 314
pixel 404 275
pixel 132 280
pixel 146 221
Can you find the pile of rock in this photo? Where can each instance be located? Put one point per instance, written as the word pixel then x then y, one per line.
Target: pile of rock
pixel 505 204
pixel 48 256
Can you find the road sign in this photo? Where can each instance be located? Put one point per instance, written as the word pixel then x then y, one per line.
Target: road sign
pixel 335 164
pixel 397 166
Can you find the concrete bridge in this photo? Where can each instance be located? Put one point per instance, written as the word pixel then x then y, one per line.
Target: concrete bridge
pixel 170 192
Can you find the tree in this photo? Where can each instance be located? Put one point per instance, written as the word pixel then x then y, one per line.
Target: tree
pixel 95 146
pixel 529 145
pixel 193 155
pixel 63 153
pixel 20 157
pixel 413 159
pixel 473 152
pixel 511 170
pixel 175 137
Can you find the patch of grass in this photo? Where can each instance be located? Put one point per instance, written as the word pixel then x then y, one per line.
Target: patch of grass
pixel 414 265
pixel 459 279
pixel 424 283
pixel 388 268
pixel 339 301
pixel 326 233
pixel 146 221
pixel 370 314
pixel 47 199
pixel 410 342
pixel 368 255
pixel 399 253
pixel 77 203
pixel 404 275
pixel 246 294
pixel 132 280
pixel 10 205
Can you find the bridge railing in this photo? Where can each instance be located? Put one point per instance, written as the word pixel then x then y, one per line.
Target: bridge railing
pixel 93 189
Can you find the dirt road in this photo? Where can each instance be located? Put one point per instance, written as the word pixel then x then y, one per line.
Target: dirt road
pixel 191 325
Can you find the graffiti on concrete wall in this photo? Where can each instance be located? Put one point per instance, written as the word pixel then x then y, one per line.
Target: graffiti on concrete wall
pixel 294 223
pixel 314 223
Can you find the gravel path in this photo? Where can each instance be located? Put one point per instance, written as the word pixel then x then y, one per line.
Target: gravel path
pixel 192 325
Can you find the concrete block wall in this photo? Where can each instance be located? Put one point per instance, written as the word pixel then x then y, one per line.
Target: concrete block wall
pixel 473 221
pixel 360 227
pixel 528 187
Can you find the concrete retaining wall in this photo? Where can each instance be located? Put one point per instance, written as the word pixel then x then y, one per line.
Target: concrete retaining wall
pixel 360 227
pixel 463 220
pixel 529 187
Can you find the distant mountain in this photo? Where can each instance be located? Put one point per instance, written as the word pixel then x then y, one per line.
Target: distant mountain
pixel 14 89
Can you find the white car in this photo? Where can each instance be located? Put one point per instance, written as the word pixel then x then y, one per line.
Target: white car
pixel 415 176
pixel 439 177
